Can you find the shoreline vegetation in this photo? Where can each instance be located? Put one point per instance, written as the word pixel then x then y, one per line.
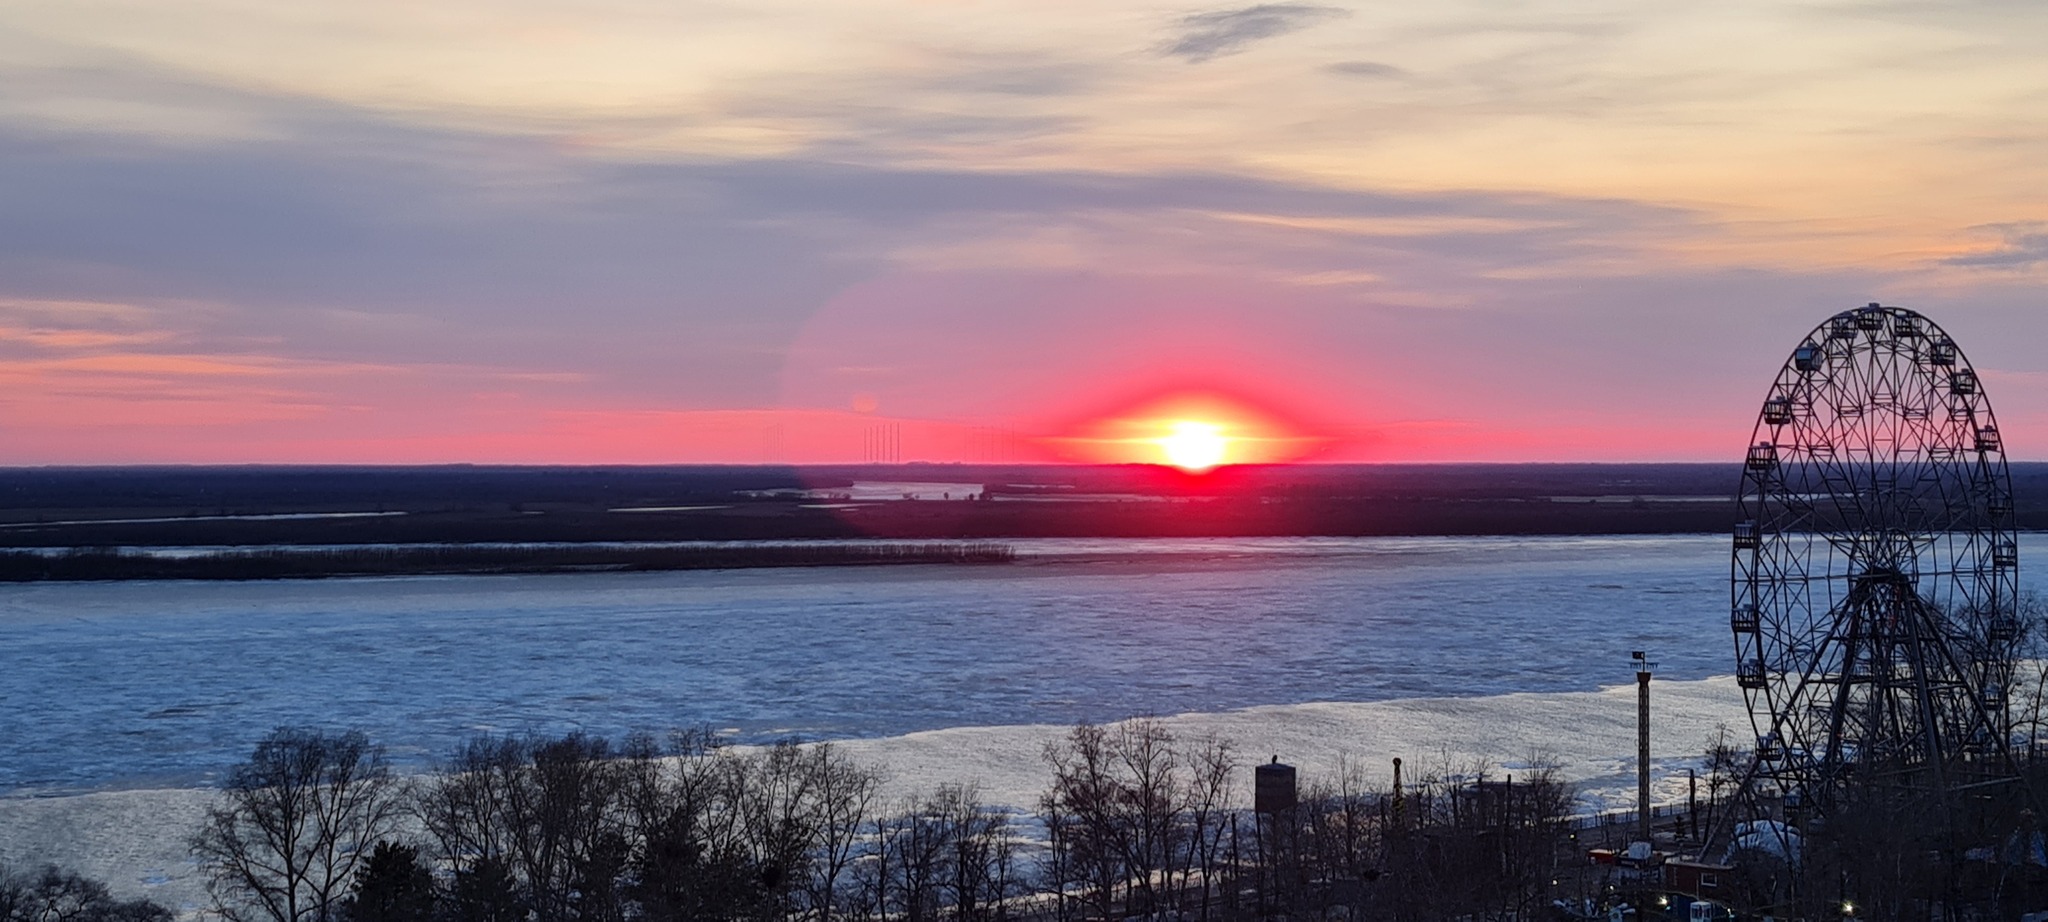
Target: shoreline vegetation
pixel 90 564
pixel 1133 820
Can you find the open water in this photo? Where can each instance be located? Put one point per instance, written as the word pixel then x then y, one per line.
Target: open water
pixel 154 683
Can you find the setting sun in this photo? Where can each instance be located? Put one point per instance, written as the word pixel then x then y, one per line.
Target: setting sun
pixel 1194 446
pixel 1193 430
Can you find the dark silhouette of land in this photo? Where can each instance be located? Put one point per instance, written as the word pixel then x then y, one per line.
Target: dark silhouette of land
pixel 243 507
pixel 385 560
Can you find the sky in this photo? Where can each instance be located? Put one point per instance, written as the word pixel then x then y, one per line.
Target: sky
pixel 685 231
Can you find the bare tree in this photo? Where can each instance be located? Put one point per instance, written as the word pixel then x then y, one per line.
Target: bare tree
pixel 678 805
pixel 1341 834
pixel 1150 805
pixel 979 863
pixel 1082 813
pixel 1132 813
pixel 1058 870
pixel 567 836
pixel 904 879
pixel 942 856
pixel 1726 763
pixel 779 809
pixel 54 895
pixel 2029 696
pixel 294 824
pixel 1211 762
pixel 465 805
pixel 1467 844
pixel 545 816
pixel 844 794
pixel 718 834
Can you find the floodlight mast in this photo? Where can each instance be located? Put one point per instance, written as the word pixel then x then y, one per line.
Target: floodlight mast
pixel 1644 668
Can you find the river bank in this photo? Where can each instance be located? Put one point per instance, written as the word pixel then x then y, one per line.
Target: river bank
pixel 88 564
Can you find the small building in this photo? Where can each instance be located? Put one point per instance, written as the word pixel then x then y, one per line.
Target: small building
pixel 1274 790
pixel 1698 877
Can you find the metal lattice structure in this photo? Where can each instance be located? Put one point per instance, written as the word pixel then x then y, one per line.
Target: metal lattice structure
pixel 1875 575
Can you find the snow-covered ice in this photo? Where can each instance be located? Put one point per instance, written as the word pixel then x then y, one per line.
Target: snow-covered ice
pixel 167 683
pixel 135 840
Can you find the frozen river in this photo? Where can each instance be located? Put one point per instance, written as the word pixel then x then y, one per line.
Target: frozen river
pixel 166 683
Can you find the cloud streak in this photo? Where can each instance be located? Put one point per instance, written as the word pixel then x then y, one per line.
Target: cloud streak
pixel 1372 69
pixel 2025 246
pixel 1207 36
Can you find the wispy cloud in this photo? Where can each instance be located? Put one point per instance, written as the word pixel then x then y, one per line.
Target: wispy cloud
pixel 2024 245
pixel 1205 36
pixel 1373 69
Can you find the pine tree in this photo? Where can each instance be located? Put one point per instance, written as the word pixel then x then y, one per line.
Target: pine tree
pixel 393 886
pixel 485 892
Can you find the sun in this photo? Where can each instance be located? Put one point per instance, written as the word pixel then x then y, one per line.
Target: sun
pixel 1194 431
pixel 1194 446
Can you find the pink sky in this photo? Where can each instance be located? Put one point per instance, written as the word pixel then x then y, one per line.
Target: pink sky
pixel 697 232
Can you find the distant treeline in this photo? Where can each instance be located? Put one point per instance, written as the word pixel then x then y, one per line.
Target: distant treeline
pixel 286 563
pixel 165 507
pixel 178 490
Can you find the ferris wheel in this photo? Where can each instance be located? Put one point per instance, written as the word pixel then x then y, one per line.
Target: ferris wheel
pixel 1874 584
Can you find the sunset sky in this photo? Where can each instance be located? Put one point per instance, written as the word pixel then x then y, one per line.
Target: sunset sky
pixel 615 231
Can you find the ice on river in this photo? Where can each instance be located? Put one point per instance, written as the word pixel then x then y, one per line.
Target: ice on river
pixel 120 702
pixel 167 683
pixel 135 840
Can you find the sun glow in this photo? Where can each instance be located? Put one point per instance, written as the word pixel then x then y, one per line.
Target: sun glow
pixel 1194 446
pixel 1192 430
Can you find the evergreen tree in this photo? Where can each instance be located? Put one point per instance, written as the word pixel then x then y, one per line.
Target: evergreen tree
pixel 393 886
pixel 485 892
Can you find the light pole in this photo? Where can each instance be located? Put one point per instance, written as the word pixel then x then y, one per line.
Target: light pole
pixel 1644 668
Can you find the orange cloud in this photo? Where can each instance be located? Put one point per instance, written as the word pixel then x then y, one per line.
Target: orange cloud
pixel 78 339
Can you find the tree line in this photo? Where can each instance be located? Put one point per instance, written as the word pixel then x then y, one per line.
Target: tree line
pixel 1135 822
pixel 107 563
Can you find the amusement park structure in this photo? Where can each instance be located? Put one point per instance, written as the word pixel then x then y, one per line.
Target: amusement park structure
pixel 1874 583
